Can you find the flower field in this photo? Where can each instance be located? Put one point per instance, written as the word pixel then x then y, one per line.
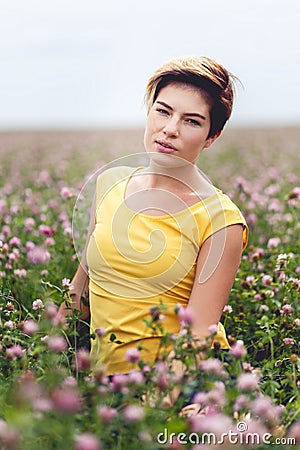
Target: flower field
pixel 248 397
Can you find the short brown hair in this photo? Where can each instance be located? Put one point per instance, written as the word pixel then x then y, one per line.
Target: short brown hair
pixel 214 81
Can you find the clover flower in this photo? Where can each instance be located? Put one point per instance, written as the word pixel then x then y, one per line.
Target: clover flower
pixel 56 344
pixel 49 241
pixel 227 308
pixel 250 279
pixel 216 423
pixel 133 413
pixel 66 400
pixel 45 230
pixel 14 352
pixel 155 313
pixel 185 316
pixel 273 242
pixel 212 365
pixel 83 360
pixel 9 324
pixel 241 402
pixel 20 273
pixel 106 413
pixel 6 231
pixel 66 282
pixel 265 410
pixel 294 432
pixel 14 241
pixel 257 254
pixel 136 377
pixel 100 331
pixel 51 309
pixel 9 436
pixel 29 245
pixel 37 304
pixel 289 341
pixel 214 399
pixel 213 329
pixel 12 257
pixel 119 382
pixel 3 207
pixel 247 382
pixel 132 355
pixel 38 255
pixel 30 327
pixel 87 441
pixel 267 280
pixel 286 309
pixel 44 178
pixel 66 192
pixel 42 404
pixel 29 223
pixel 70 381
pixel 238 350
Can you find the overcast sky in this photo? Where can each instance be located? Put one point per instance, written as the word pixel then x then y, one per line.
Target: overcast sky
pixel 85 63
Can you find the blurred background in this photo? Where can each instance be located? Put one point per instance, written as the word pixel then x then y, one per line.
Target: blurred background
pixel 84 64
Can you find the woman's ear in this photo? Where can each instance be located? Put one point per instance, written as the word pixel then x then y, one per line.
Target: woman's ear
pixel 212 139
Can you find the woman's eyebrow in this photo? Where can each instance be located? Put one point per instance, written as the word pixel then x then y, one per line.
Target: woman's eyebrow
pixel 164 104
pixel 186 114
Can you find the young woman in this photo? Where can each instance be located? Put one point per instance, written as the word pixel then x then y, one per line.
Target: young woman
pixel 163 234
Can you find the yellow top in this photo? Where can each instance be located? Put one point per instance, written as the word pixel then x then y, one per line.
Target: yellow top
pixel 137 261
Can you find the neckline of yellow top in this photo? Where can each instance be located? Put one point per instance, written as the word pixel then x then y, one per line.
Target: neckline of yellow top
pixel 189 209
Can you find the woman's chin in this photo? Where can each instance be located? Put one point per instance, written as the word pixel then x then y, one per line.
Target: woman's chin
pixel 168 160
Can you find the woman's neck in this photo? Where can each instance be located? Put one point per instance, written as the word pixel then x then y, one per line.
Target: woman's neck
pixel 181 177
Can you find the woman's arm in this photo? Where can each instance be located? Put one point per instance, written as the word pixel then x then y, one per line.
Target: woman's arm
pixel 80 282
pixel 217 265
pixel 218 261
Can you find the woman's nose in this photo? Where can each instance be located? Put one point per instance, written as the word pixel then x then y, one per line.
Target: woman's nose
pixel 172 127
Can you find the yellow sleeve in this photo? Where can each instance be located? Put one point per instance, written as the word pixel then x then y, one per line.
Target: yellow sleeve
pixel 220 212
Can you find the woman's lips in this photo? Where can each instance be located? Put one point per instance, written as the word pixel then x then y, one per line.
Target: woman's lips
pixel 165 147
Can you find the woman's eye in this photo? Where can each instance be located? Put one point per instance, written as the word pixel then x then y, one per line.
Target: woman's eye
pixel 162 111
pixel 193 122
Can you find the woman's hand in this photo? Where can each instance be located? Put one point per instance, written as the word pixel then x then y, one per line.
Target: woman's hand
pixel 78 290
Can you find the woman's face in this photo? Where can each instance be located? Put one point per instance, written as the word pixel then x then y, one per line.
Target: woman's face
pixel 178 123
